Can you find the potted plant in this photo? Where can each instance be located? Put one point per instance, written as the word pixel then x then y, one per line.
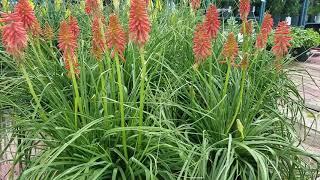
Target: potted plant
pixel 302 41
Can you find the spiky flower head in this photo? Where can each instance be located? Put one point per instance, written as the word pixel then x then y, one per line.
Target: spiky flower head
pixel 244 9
pixel 14 35
pixel 67 44
pixel 201 44
pixel 281 40
pixel 212 22
pixel 246 28
pixel 36 29
pixel 91 6
pixel 73 22
pixel 98 36
pixel 24 9
pixel 139 24
pixel 266 28
pixel 116 37
pixel 195 4
pixel 230 48
pixel 47 32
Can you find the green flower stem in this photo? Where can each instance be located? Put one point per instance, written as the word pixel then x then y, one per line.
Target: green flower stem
pixel 33 93
pixel 142 94
pixel 103 89
pixel 124 136
pixel 77 101
pixel 111 80
pixel 243 80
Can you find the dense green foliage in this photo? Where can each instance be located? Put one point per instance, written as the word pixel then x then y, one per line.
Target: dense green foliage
pixel 187 129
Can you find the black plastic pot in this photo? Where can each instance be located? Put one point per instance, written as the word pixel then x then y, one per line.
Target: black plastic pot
pixel 300 53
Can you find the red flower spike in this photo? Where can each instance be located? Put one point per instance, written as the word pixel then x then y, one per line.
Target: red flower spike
pixel 230 48
pixel 195 4
pixel 98 37
pixel 212 22
pixel 139 24
pixel 73 22
pixel 244 8
pixel 66 38
pixel 14 36
pixel 247 30
pixel 67 44
pixel 266 28
pixel 91 6
pixel 281 40
pixel 267 24
pixel 201 44
pixel 116 37
pixel 26 13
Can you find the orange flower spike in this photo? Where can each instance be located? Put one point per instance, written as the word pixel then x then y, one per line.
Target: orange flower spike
pixel 212 22
pixel 116 37
pixel 230 48
pixel 25 11
pixel 201 44
pixel 281 40
pixel 66 38
pixel 14 36
pixel 91 6
pixel 67 44
pixel 48 32
pixel 139 24
pixel 36 29
pixel 266 28
pixel 244 9
pixel 267 24
pixel 247 30
pixel 73 22
pixel 195 4
pixel 98 37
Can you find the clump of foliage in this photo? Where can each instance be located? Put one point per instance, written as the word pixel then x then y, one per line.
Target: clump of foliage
pixel 182 100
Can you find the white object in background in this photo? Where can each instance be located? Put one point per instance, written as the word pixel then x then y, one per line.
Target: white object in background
pixel 288 20
pixel 317 18
pixel 229 9
pixel 240 38
pixel 253 9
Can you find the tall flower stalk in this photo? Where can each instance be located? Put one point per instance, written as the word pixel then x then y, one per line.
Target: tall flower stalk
pixel 139 29
pixel 67 39
pixel 116 42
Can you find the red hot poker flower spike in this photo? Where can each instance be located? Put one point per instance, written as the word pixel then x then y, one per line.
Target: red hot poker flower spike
pixel 26 13
pixel 211 21
pixel 195 4
pixel 247 29
pixel 266 29
pixel 281 39
pixel 36 29
pixel 201 44
pixel 139 25
pixel 47 32
pixel 91 6
pixel 244 8
pixel 98 36
pixel 67 44
pixel 73 22
pixel 230 48
pixel 116 37
pixel 14 36
pixel 66 38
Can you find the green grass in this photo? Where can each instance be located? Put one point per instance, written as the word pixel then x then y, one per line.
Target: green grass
pixel 190 129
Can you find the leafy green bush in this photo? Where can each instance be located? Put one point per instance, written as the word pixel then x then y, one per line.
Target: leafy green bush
pixel 304 38
pixel 196 124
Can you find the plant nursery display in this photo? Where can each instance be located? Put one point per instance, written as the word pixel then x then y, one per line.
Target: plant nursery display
pixel 134 90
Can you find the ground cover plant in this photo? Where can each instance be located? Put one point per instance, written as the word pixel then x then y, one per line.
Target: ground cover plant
pixel 134 91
